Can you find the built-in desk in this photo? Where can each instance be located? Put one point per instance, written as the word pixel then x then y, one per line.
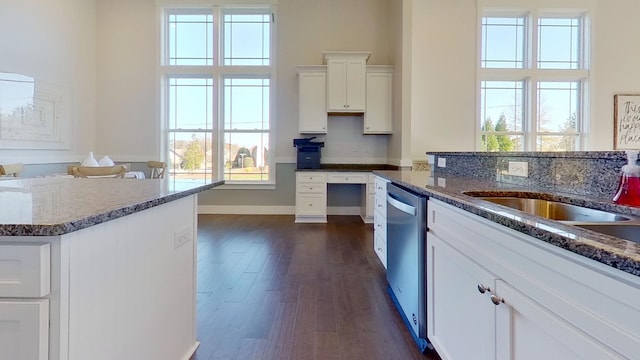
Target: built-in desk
pixel 311 193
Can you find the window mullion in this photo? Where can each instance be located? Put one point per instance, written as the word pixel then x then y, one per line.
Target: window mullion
pixel 531 113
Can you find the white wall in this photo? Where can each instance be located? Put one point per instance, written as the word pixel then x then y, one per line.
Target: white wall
pixel 54 42
pixel 127 79
pixel 443 80
pixel 443 60
pixel 615 58
pixel 128 122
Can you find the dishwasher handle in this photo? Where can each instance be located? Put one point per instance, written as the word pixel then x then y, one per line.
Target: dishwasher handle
pixel 406 208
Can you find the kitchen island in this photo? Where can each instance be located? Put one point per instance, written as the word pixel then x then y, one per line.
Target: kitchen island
pixel 513 285
pixel 97 269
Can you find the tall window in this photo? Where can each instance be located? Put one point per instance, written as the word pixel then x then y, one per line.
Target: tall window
pixel 533 81
pixel 217 71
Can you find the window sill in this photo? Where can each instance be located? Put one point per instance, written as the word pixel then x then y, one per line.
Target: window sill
pixel 240 186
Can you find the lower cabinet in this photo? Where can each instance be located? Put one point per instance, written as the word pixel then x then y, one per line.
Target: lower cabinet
pixel 458 313
pixel 493 293
pixel 24 329
pixel 24 306
pixel 311 197
pixel 380 219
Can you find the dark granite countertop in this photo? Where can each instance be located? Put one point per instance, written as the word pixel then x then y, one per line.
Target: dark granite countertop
pixel 56 206
pixel 612 251
pixel 352 167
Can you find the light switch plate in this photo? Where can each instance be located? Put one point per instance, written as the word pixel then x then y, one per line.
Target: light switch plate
pixel 519 168
pixel 442 162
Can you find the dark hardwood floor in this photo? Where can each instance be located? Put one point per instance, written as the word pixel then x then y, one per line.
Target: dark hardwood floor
pixel 272 289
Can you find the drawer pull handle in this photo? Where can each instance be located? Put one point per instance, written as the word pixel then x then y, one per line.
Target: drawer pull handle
pixel 496 300
pixel 482 289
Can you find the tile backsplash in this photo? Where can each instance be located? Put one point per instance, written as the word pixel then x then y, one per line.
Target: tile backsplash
pixel 589 173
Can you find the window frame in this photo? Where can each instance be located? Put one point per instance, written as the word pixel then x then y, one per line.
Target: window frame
pixel 532 75
pixel 218 72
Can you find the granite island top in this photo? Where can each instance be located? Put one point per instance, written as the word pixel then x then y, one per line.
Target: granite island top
pixel 612 251
pixel 56 206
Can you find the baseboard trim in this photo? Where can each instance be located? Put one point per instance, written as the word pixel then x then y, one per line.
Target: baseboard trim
pixel 270 210
pixel 245 210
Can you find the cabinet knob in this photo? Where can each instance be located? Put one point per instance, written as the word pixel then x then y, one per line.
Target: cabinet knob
pixel 496 300
pixel 482 289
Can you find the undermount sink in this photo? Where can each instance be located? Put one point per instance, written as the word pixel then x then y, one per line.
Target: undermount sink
pixel 618 225
pixel 625 231
pixel 556 210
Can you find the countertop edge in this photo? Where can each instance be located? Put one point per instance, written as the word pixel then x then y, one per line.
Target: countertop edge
pixel 567 237
pixel 83 223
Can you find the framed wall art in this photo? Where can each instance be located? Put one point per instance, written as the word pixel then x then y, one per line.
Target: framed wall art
pixel 626 121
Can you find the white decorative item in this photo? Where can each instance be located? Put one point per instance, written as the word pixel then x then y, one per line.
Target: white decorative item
pixel 105 161
pixel 90 161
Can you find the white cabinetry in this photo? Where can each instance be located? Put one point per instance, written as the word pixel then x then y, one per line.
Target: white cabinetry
pixel 312 93
pixel 380 219
pixel 367 203
pixel 311 197
pixel 379 109
pixel 346 81
pixel 24 310
pixel 506 295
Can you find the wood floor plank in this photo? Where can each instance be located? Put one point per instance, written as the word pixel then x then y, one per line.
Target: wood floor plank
pixel 271 289
pixel 326 346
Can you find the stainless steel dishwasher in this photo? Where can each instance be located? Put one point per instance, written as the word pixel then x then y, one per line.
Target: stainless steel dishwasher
pixel 406 234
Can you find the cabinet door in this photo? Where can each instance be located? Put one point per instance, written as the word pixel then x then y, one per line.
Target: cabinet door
pixel 337 85
pixel 524 325
pixel 24 329
pixel 460 318
pixel 356 84
pixel 378 114
pixel 346 84
pixel 312 111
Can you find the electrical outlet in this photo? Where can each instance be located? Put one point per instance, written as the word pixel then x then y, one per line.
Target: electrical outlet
pixel 182 237
pixel 519 168
pixel 442 162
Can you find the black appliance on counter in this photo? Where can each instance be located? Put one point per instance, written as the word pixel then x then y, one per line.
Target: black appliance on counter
pixel 308 153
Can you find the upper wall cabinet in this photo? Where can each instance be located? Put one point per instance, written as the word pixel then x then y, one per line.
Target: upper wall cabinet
pixel 346 81
pixel 312 104
pixel 379 114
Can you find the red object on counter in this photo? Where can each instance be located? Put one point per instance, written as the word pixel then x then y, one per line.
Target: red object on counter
pixel 628 191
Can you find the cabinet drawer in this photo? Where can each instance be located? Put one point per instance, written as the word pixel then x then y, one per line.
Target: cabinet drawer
pixel 307 205
pixel 381 204
pixel 24 270
pixel 380 247
pixel 380 223
pixel 24 329
pixel 347 178
pixel 311 188
pixel 381 185
pixel 310 177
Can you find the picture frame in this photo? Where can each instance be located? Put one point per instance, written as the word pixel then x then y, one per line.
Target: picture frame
pixel 626 122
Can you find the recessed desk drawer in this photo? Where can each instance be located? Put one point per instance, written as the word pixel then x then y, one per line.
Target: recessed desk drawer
pixel 311 188
pixel 311 177
pixel 347 178
pixel 24 270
